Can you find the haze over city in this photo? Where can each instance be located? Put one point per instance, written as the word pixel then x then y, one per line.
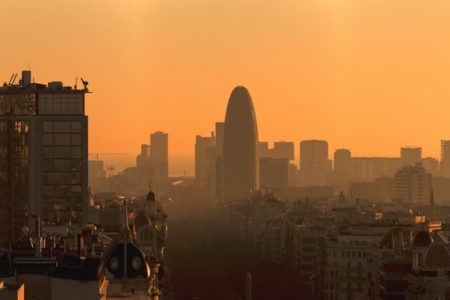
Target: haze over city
pixel 224 150
pixel 364 75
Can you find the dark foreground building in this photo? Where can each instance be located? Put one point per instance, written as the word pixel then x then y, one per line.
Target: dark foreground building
pixel 43 154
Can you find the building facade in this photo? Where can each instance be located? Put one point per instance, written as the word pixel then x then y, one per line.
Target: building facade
pixel 43 154
pixel 413 185
pixel 240 146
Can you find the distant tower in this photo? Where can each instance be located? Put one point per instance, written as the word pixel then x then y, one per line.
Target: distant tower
pixel 314 163
pixel 445 158
pixel 159 157
pixel 409 156
pixel 240 146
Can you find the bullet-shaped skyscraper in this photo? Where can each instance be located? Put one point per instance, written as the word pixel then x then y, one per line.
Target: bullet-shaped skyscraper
pixel 240 146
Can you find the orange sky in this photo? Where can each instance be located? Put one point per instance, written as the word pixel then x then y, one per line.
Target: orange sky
pixel 367 75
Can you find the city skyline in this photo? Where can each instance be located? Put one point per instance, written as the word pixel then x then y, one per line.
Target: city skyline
pixel 238 149
pixel 346 75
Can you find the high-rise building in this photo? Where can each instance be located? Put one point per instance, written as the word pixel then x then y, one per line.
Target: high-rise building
pixel 314 155
pixel 263 149
pixel 282 149
pixel 43 154
pixel 343 161
pixel 314 163
pixel 342 168
pixel 409 156
pixel 413 185
pixel 240 146
pixel 143 159
pixel 159 157
pixel 137 178
pixel 445 158
pixel 431 165
pixel 205 158
pixel 369 168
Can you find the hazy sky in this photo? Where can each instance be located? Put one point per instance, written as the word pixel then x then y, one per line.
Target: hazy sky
pixel 366 75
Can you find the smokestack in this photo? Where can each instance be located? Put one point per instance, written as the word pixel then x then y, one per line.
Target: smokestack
pixel 26 78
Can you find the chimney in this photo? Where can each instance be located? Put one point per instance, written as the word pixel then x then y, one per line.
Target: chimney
pixel 26 78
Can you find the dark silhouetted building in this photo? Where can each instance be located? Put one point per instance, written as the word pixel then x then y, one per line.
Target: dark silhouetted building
pixel 284 150
pixel 314 163
pixel 409 156
pixel 445 158
pixel 263 149
pixel 369 168
pixel 343 161
pixel 431 164
pixel 205 158
pixel 240 146
pixel 159 157
pixel 273 173
pixel 413 185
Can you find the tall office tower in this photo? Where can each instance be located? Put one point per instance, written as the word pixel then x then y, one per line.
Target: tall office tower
pixel 273 173
pixel 445 159
pixel 314 163
pixel 284 150
pixel 219 161
pixel 413 185
pixel 342 168
pixel 159 157
pixel 240 146
pixel 343 161
pixel 43 154
pixel 409 156
pixel 314 155
pixel 431 165
pixel 205 158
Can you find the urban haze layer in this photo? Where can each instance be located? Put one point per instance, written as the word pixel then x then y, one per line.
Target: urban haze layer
pixel 251 224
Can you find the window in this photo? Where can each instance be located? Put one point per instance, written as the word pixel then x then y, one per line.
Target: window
pixel 62 127
pixel 61 139
pixel 76 139
pixel 61 104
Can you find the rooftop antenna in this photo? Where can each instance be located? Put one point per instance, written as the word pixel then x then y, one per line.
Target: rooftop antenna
pixel 10 79
pixel 76 83
pixel 85 83
pixel 13 79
